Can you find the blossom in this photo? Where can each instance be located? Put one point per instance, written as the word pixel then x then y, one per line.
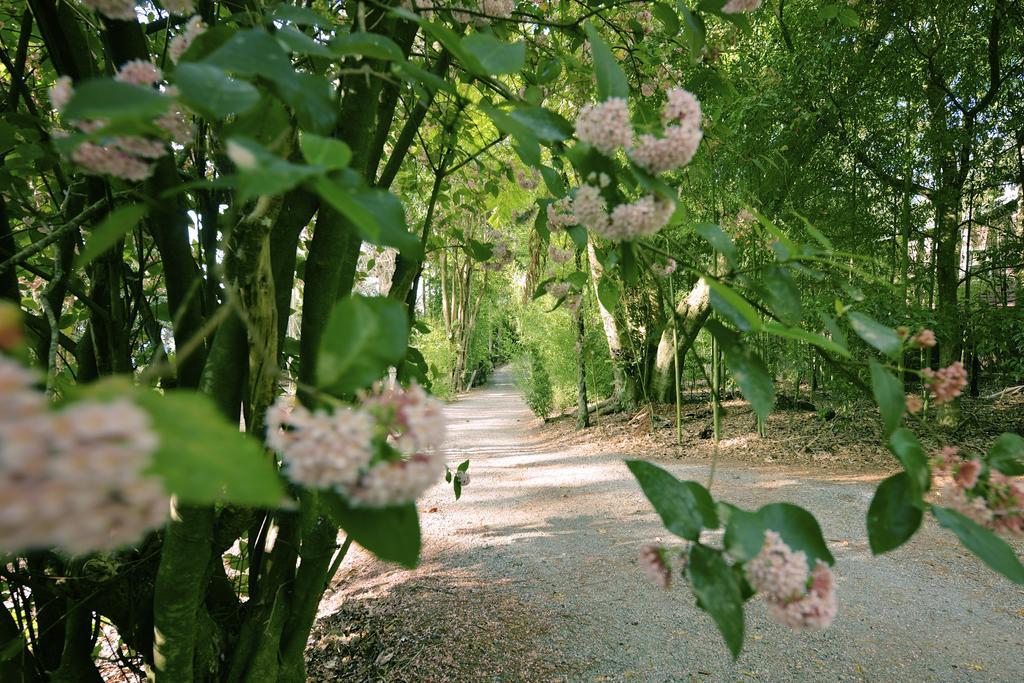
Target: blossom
pixel 658 155
pixel 776 571
pixel 139 72
pixel 415 418
pixel 560 214
pixel 501 251
pixel 925 338
pixel 589 208
pixel 108 160
pixel 605 126
pixel 815 610
pixel 527 182
pixel 947 383
pixel 737 6
pixel 967 474
pixel 914 403
pixel 682 108
pixel 560 255
pixel 320 449
pixel 75 479
pixel 61 92
pixel 652 559
pixel 642 218
pixel 123 10
pixel 181 42
pixel 665 269
pixel 462 477
pixel 557 289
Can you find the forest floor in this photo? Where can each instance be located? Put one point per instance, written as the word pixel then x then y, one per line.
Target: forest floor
pixel 533 574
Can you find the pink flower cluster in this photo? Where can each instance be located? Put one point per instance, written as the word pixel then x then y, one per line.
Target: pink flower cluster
pixel 129 157
pixel 183 41
pixel 682 136
pixel 560 214
pixel 527 182
pixel 462 477
pixel 996 501
pixel 557 289
pixel 665 269
pixel 123 10
pixel 492 9
pixel 338 451
pixel 642 218
pixel 782 576
pixel 947 383
pixel 501 251
pixel 605 126
pixel 74 479
pixel 737 6
pixel 560 255
pixel 925 338
pixel 652 559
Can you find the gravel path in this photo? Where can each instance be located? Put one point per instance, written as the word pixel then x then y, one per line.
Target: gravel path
pixel 561 530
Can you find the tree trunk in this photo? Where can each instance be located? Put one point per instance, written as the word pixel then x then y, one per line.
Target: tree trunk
pixel 691 313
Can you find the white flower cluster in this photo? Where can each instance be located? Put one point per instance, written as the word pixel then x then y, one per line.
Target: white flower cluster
pixel 129 157
pixel 557 289
pixel 337 450
pixel 681 117
pixel 74 479
pixel 183 41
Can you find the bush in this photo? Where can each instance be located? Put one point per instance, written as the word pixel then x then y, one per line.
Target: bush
pixel 539 394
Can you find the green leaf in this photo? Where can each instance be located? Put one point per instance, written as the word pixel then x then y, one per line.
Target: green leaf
pixel 718 593
pixel 378 216
pixel 734 307
pixel 694 30
pixel 211 92
pixel 326 152
pixel 747 369
pixel 875 333
pixel 782 295
pixel 463 466
pixel 209 461
pixel 798 528
pixel 668 18
pixel 453 43
pixel 849 17
pixel 611 79
pixel 908 450
pixel 105 235
pixel 553 181
pixel 1007 455
pixel 578 235
pixel 528 147
pixel 496 56
pixel 12 648
pixel 364 336
pixel 253 52
pixel 799 334
pixel 261 172
pixel 371 45
pixel 718 239
pixel 114 101
pixel 311 97
pixel 545 124
pixel 991 549
pixel 300 16
pixel 299 43
pixel 889 396
pixel 892 517
pixel 608 293
pixel 826 12
pixel 390 533
pixel 685 507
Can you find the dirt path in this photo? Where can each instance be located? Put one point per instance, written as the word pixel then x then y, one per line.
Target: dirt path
pixel 555 535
